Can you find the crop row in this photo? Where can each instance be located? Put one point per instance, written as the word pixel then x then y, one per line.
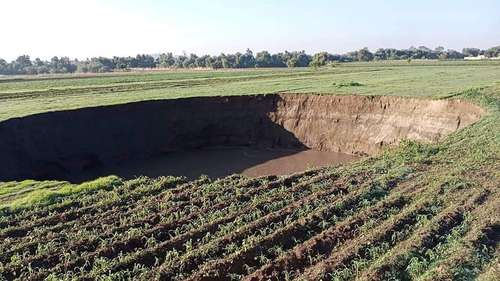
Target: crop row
pixel 221 226
pixel 130 243
pixel 326 224
pixel 187 257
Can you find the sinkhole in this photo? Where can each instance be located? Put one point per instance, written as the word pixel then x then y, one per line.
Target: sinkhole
pixel 218 136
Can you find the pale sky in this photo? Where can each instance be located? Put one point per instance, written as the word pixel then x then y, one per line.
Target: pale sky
pixel 86 28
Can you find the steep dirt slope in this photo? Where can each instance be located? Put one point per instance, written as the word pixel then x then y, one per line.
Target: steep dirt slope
pixel 364 124
pixel 51 145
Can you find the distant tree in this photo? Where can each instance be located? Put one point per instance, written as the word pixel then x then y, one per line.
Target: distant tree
pixel 145 61
pixel 190 61
pixel 209 61
pixel 380 54
pixel 263 59
pixel 292 62
pixel 38 62
pixel 452 54
pixel 352 56
pixel 62 65
pixel 23 61
pixel 320 59
pixel 179 61
pixel 107 64
pixel 278 60
pixel 123 62
pixel 402 54
pixel 303 59
pixel 439 49
pixel 3 66
pixel 66 66
pixel 493 52
pixel 443 56
pixel 217 62
pixel 166 60
pixel 202 61
pixel 223 59
pixel 54 64
pixel 341 58
pixel 422 52
pixel 471 52
pixel 424 49
pixel 364 55
pixel 20 65
pixel 82 67
pixel 246 60
pixel 96 65
pixel 232 60
pixel 24 65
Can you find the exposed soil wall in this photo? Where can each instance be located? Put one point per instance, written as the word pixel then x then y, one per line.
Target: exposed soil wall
pixel 365 124
pixel 52 144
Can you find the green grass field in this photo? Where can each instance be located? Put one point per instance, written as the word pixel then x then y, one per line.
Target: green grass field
pixel 28 95
pixel 415 212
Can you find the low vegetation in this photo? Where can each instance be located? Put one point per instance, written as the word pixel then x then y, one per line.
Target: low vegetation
pixel 347 84
pixel 417 212
pixel 26 95
pixel 29 193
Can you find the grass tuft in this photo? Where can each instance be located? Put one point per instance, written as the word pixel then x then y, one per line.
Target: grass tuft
pixel 42 196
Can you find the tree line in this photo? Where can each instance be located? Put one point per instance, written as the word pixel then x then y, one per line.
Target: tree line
pixel 24 65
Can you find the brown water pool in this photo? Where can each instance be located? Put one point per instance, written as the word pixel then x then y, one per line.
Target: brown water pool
pixel 220 162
